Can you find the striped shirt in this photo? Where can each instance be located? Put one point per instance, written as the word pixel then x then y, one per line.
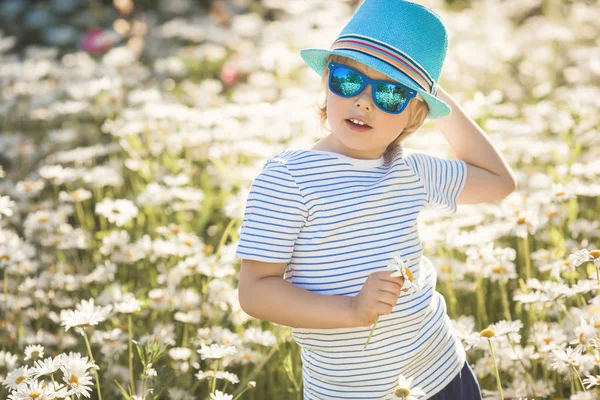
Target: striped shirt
pixel 334 220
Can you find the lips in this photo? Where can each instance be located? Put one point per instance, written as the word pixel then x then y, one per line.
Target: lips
pixel 358 119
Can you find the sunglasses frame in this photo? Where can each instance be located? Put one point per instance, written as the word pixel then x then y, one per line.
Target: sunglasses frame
pixel 412 93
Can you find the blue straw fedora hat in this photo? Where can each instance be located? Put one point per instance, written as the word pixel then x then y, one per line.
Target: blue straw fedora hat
pixel 401 39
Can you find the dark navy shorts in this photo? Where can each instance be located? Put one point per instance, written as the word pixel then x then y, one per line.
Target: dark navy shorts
pixel 463 387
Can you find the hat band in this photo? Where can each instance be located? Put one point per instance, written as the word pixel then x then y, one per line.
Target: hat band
pixel 390 55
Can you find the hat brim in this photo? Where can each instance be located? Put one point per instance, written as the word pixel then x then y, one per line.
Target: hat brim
pixel 316 59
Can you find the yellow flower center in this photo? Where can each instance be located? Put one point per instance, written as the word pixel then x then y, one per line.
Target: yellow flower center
pixel 581 338
pixel 559 194
pixel 597 324
pixel 34 395
pixel 74 380
pixel 188 243
pixel 409 274
pixel 19 380
pixel 521 220
pixel 446 269
pixel 499 269
pixel 548 340
pixel 488 333
pixel 595 253
pixel 402 392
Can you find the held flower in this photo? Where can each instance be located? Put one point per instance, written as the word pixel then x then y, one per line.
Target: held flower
pixel 409 285
pixel 405 392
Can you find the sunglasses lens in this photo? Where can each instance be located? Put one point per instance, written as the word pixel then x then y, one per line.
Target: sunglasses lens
pixel 391 97
pixel 345 82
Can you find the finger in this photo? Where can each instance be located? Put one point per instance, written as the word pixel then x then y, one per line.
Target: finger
pixel 384 308
pixel 390 287
pixel 385 276
pixel 388 298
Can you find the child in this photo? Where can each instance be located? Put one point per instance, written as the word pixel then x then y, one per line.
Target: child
pixel 323 226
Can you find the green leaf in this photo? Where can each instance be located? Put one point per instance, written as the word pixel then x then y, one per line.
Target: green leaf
pixel 123 391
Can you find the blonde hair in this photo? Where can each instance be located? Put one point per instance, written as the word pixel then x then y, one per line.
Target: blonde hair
pixel 417 110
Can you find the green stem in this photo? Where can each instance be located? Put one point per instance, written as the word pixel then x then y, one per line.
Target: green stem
pixel 257 369
pixel 89 349
pixel 371 333
pixel 481 310
pixel 579 377
pixel 496 370
pixel 130 328
pixel 241 393
pixel 214 381
pixel 529 380
pixel 505 304
pixel 526 256
pixel 5 289
pixel 225 235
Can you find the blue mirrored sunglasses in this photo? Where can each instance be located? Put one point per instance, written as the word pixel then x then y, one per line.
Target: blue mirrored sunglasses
pixel 390 97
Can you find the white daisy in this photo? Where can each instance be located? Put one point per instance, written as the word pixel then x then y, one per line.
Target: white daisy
pixel 405 392
pixel 47 367
pixel 32 390
pixel 585 331
pixel 401 270
pixel 86 314
pixel 591 381
pixel 218 395
pixel 128 304
pixel 17 377
pixel 118 211
pixel 564 359
pixel 6 205
pixel 34 351
pixel 76 374
pixel 216 351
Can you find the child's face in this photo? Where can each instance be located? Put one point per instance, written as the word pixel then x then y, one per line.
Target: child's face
pixel 385 127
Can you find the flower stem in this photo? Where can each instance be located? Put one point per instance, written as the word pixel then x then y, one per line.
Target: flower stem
pixel 505 304
pixel 241 393
pixel 371 333
pixel 579 377
pixel 529 380
pixel 130 328
pixel 89 349
pixel 214 381
pixel 496 370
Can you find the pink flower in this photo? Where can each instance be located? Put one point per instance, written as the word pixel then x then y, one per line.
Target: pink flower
pixel 229 74
pixel 98 41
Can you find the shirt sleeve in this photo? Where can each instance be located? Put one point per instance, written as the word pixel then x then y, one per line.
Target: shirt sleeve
pixel 442 179
pixel 275 212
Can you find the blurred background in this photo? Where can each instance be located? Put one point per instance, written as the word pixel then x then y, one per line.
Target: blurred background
pixel 130 132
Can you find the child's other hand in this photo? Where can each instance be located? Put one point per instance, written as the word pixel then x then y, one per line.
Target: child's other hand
pixel 378 296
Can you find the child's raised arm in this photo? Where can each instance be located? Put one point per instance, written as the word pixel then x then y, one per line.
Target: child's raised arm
pixel 264 294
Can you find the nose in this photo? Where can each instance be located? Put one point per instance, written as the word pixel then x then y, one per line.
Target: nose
pixel 364 99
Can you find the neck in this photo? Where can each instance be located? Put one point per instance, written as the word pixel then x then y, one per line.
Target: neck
pixel 330 143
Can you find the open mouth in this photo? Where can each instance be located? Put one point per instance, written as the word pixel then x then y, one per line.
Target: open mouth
pixel 357 127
